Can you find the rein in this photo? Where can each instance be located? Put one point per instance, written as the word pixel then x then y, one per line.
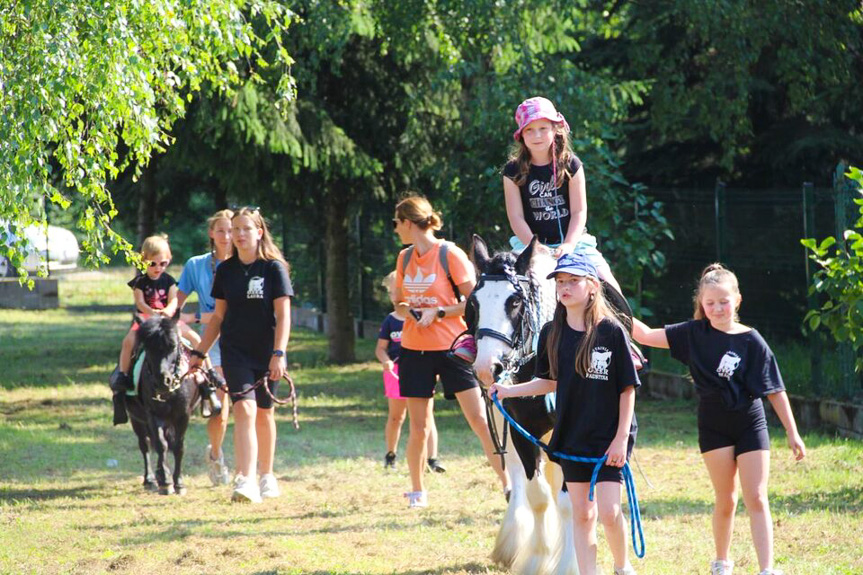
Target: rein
pixel 265 383
pixel 634 510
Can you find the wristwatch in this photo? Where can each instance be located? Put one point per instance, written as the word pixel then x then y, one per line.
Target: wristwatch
pixel 278 353
pixel 196 353
pixel 441 313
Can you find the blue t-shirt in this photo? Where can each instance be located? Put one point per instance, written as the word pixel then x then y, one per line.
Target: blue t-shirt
pixel 197 277
pixel 391 330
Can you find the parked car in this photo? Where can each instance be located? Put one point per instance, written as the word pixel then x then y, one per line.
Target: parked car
pixel 58 247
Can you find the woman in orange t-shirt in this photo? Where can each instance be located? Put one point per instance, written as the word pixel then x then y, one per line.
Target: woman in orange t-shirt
pixel 434 318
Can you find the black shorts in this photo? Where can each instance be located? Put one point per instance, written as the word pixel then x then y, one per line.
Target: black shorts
pixel 745 429
pixel 418 372
pixel 242 379
pixel 576 472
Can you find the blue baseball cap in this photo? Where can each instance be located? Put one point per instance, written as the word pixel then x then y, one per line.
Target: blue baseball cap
pixel 577 264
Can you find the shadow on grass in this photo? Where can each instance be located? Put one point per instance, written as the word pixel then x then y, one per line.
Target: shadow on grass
pixel 35 494
pixel 471 567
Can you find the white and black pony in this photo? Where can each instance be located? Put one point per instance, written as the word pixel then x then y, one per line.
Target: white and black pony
pixel 167 395
pixel 511 302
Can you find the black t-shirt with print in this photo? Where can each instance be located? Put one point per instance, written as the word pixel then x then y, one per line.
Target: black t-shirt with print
pixel 588 408
pixel 249 326
pixel 732 369
pixel 155 291
pixel 542 203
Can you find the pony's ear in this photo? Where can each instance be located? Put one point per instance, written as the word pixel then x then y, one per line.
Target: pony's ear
pixel 480 254
pixel 522 264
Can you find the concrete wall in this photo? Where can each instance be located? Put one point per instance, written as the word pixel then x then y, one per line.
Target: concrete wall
pixel 844 418
pixel 44 295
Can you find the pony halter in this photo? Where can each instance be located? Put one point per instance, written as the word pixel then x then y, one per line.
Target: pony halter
pixel 522 341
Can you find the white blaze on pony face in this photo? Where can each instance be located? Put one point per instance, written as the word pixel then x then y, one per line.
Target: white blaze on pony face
pixel 492 314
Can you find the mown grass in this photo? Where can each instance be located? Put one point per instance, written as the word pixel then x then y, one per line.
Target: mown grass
pixel 64 510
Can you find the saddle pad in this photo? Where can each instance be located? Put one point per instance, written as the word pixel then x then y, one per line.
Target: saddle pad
pixel 136 373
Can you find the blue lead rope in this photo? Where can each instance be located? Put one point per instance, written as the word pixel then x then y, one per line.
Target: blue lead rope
pixel 634 510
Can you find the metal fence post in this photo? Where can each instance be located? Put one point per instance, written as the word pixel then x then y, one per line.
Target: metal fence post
pixel 719 215
pixel 816 374
pixel 842 189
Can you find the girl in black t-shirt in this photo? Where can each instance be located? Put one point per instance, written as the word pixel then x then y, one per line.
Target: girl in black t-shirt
pixel 583 355
pixel 544 186
pixel 733 368
pixel 252 318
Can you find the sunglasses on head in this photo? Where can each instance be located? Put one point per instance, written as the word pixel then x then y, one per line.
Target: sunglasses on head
pixel 163 264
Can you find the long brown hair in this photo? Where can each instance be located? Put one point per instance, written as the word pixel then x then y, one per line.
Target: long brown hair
pixel 417 209
pixel 267 250
pixel 596 310
pixel 713 275
pixel 561 156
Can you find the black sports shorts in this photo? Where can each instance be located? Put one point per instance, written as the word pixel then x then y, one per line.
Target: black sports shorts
pixel 418 372
pixel 745 429
pixel 242 379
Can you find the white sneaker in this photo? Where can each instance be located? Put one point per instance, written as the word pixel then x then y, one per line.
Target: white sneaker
pixel 721 567
pixel 269 486
pixel 627 570
pixel 245 490
pixel 216 468
pixel 417 499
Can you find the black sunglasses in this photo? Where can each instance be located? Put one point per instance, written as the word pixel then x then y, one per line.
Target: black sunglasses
pixel 396 222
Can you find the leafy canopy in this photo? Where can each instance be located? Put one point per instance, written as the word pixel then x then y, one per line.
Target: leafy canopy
pixel 90 88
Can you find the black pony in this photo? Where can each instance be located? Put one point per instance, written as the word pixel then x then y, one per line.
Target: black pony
pixel 166 397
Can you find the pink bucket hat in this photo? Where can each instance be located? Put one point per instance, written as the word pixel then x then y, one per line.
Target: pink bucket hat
pixel 536 108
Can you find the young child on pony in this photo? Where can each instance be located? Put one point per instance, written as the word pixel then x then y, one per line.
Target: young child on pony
pixel 387 351
pixel 733 369
pixel 583 356
pixel 155 294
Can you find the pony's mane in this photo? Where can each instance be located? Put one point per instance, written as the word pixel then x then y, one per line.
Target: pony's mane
pixel 158 333
pixel 503 263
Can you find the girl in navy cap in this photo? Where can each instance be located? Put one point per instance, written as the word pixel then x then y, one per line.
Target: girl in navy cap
pixel 733 368
pixel 583 355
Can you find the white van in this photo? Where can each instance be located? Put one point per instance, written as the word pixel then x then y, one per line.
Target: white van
pixel 55 246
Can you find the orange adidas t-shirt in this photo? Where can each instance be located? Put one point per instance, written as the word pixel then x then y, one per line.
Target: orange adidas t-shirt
pixel 424 284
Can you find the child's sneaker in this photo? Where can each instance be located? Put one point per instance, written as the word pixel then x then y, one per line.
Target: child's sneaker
pixel 721 567
pixel 435 465
pixel 269 486
pixel 464 349
pixel 390 461
pixel 245 490
pixel 216 468
pixel 120 381
pixel 417 499
pixel 627 570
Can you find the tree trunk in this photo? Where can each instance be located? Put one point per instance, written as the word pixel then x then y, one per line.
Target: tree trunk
pixel 340 320
pixel 147 202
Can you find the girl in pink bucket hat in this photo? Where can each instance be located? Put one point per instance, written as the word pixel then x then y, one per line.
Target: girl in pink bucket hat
pixel 544 187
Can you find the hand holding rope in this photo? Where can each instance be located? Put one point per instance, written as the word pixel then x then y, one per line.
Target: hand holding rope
pixel 634 511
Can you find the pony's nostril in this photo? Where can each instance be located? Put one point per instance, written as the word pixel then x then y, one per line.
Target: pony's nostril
pixel 496 369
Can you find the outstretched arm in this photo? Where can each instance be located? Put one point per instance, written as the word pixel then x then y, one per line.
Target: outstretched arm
pixel 535 386
pixel 647 335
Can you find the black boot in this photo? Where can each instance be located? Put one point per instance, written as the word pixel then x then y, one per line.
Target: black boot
pixel 119 401
pixel 210 404
pixel 120 381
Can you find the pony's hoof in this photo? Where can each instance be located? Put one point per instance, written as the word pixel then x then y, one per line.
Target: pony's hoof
pixel 150 484
pixel 180 490
pixel 166 489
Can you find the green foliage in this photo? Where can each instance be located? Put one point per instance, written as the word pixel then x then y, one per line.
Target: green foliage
pixel 90 88
pixel 840 280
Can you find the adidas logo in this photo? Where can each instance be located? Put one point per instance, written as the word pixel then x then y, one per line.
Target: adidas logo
pixel 418 284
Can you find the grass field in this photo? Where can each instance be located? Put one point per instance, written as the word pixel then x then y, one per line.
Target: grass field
pixel 64 507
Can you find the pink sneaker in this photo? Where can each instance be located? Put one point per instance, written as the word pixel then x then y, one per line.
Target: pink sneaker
pixel 464 349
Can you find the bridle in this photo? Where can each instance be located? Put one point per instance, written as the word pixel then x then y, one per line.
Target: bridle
pixel 522 343
pixel 164 392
